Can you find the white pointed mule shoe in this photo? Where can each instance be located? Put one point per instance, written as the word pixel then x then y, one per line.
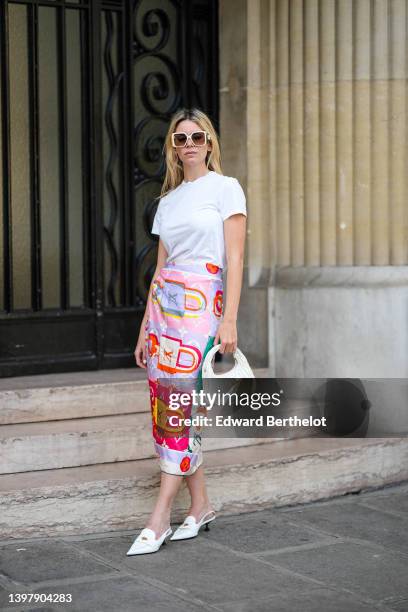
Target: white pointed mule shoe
pixel 190 528
pixel 146 542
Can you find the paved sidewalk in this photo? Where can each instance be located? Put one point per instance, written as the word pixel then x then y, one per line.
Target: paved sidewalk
pixel 344 555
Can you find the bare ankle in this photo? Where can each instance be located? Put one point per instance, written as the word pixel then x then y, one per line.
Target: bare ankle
pixel 159 521
pixel 199 509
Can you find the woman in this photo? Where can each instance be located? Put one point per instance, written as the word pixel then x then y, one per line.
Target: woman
pixel 201 221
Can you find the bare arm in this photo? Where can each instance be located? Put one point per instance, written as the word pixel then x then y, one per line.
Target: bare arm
pixel 234 235
pixel 161 259
pixel 140 350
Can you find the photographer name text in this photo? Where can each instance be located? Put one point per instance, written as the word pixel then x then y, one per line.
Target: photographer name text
pixel 260 421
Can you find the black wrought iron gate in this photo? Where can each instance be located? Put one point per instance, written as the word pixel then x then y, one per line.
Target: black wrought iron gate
pixel 87 88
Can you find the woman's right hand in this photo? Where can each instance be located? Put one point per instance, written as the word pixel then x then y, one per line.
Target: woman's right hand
pixel 140 350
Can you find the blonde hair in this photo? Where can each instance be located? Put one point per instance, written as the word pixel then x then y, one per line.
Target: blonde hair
pixel 174 167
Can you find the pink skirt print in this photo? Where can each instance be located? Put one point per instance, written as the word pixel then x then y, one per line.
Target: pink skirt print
pixel 184 312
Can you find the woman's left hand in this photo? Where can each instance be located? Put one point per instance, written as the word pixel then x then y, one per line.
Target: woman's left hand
pixel 227 336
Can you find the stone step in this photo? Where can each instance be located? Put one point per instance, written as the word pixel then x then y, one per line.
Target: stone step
pixel 27 447
pixel 75 395
pixel 121 495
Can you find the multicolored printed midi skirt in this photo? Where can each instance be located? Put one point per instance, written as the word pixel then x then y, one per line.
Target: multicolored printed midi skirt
pixel 184 313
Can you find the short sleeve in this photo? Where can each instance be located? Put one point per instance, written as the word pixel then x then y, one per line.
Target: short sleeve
pixel 157 220
pixel 232 200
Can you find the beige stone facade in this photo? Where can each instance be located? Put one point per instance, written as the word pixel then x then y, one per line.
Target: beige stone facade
pixel 314 123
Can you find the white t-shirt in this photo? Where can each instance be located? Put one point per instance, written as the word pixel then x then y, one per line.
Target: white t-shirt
pixel 189 219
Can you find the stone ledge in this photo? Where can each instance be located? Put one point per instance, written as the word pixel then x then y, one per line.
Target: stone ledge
pixel 121 495
pixel 78 395
pixel 48 445
pixel 286 277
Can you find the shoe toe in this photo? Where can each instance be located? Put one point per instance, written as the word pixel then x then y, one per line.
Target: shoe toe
pixel 138 548
pixel 144 542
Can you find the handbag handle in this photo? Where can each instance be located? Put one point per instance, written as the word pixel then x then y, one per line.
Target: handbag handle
pixel 240 369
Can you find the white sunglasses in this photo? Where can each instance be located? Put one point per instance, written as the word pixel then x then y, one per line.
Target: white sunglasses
pixel 198 138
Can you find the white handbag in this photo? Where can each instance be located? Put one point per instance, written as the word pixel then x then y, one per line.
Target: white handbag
pixel 241 368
